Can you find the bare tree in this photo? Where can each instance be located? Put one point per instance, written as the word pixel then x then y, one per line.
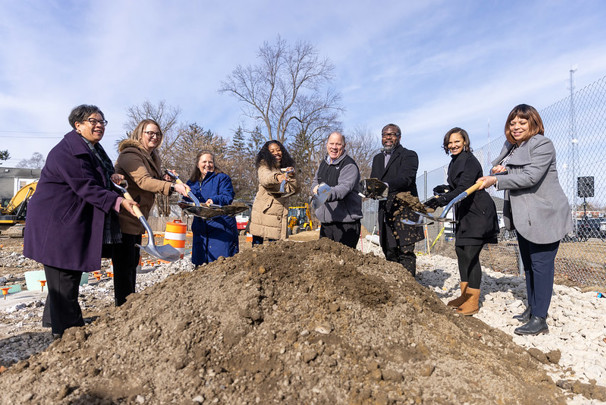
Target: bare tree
pixel 35 162
pixel 290 84
pixel 362 146
pixel 191 140
pixel 167 117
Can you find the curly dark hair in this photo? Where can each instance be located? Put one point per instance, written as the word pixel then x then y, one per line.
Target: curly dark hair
pixel 265 157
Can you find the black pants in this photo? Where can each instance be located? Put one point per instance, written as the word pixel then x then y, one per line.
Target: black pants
pixel 470 270
pixel 539 267
pixel 405 255
pixel 347 233
pixel 62 310
pixel 125 258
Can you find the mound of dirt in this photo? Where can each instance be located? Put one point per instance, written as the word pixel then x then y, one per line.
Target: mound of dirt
pixel 312 322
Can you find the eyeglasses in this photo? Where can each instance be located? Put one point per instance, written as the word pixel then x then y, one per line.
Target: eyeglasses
pixel 389 135
pixel 95 122
pixel 151 134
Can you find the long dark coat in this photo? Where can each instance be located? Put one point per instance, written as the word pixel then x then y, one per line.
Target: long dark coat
pixel 476 215
pixel 65 216
pixel 401 175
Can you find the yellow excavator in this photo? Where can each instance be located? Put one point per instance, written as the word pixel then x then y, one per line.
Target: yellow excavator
pixel 15 210
pixel 299 219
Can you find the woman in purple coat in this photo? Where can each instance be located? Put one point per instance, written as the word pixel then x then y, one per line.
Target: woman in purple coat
pixel 73 213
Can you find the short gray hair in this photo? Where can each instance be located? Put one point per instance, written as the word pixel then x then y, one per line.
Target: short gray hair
pixel 337 132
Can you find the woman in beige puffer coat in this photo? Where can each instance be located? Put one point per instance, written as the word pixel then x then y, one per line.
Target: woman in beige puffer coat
pixel 269 217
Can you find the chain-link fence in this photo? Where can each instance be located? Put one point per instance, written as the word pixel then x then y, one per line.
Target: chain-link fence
pixel 577 127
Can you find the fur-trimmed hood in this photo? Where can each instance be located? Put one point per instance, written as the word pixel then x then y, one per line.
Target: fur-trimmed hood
pixel 132 143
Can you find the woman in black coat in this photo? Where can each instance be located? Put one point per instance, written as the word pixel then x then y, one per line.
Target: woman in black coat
pixel 476 216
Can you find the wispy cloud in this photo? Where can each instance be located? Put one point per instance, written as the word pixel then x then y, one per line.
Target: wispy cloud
pixel 426 65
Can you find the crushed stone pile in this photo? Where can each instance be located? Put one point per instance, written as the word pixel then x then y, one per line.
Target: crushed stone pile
pixel 312 322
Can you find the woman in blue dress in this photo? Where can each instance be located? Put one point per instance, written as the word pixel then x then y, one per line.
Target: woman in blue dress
pixel 218 236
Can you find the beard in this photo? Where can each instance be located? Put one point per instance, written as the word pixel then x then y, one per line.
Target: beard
pixel 390 148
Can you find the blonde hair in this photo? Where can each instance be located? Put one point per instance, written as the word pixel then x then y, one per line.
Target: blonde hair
pixel 137 134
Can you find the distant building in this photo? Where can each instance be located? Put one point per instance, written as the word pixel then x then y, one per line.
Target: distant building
pixel 12 179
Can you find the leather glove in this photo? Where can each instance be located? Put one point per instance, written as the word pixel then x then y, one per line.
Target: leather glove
pixel 434 203
pixel 441 189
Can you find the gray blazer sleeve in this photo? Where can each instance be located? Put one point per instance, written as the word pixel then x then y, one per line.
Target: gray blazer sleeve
pixel 538 206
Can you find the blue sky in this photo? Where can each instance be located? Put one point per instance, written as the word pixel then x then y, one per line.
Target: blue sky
pixel 425 65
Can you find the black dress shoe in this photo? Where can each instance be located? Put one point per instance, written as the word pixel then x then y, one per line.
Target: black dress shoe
pixel 524 316
pixel 536 325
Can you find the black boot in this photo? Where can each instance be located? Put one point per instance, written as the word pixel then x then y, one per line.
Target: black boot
pixel 524 316
pixel 534 326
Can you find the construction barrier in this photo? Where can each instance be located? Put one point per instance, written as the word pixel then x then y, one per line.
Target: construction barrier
pixel 175 235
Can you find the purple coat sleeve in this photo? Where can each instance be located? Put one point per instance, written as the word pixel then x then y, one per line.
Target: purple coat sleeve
pixel 66 214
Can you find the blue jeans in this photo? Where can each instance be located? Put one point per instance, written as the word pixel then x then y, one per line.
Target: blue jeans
pixel 539 263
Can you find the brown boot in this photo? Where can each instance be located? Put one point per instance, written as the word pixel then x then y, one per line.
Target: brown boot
pixel 457 302
pixel 471 306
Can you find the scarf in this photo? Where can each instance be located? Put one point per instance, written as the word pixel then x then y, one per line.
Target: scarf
pixel 111 225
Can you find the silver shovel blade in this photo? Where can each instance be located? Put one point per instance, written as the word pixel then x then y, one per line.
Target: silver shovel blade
pixel 422 221
pixel 164 252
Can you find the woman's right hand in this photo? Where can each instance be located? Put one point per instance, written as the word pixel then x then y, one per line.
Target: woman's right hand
pixel 182 189
pixel 498 169
pixel 487 181
pixel 129 206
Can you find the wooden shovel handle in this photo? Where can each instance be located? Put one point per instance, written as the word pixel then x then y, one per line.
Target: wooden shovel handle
pixel 135 208
pixel 473 188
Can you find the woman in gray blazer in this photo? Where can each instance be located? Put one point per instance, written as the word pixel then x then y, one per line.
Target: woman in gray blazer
pixel 535 206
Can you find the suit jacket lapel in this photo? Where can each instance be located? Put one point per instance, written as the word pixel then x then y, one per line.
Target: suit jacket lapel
pixel 393 157
pixel 521 157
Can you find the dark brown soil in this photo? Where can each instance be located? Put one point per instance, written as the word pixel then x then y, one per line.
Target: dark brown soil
pixel 412 202
pixel 312 322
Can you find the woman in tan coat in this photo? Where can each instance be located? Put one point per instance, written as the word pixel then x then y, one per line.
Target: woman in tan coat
pixel 140 164
pixel 269 216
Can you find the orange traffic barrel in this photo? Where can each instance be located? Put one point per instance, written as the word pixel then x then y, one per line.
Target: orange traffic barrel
pixel 175 235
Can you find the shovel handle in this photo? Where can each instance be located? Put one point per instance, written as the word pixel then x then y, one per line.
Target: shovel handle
pixel 473 188
pixel 135 208
pixel 460 197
